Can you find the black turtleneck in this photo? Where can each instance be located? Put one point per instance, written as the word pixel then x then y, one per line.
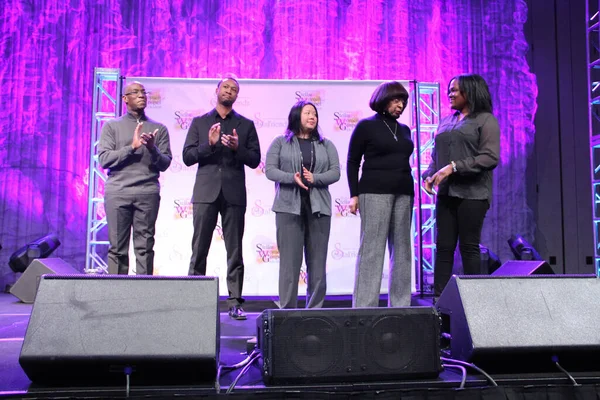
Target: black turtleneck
pixel 386 167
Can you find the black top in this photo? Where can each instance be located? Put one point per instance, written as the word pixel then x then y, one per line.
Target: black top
pixel 307 153
pixel 306 147
pixel 386 167
pixel 225 129
pixel 473 143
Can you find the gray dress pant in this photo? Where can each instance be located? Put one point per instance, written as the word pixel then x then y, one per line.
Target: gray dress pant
pixel 307 233
pixel 124 211
pixel 384 219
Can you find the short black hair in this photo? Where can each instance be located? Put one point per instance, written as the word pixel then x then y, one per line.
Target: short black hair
pixel 294 122
pixel 229 77
pixel 476 92
pixel 386 92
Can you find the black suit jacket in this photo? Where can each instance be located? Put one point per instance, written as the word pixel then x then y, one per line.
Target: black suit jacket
pixel 220 168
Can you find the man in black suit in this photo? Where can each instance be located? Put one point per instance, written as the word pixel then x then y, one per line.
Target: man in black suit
pixel 221 142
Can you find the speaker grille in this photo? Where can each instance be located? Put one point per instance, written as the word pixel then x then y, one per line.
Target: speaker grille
pixel 315 339
pixel 391 342
pixel 344 345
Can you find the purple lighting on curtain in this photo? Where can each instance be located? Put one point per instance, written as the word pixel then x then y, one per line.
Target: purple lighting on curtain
pixel 51 47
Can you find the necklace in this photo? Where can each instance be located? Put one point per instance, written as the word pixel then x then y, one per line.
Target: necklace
pixel 312 156
pixel 390 129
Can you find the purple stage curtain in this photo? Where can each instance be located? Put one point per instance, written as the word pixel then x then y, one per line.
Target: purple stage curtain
pixel 50 48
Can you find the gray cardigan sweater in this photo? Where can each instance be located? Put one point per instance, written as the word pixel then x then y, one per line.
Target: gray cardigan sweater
pixel 284 159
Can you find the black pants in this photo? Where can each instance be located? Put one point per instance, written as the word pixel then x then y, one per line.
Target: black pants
pixel 457 220
pixel 126 211
pixel 306 233
pixel 205 222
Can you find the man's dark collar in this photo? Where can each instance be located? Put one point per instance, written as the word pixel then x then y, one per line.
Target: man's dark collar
pixel 142 116
pixel 232 114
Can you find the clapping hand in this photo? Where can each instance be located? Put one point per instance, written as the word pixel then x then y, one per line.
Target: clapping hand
pixel 298 179
pixel 149 139
pixel 230 141
pixel 214 133
pixel 137 141
pixel 308 175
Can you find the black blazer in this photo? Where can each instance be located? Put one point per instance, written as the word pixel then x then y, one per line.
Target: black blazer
pixel 220 168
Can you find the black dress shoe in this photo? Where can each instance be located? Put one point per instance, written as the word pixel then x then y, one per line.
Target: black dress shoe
pixel 237 313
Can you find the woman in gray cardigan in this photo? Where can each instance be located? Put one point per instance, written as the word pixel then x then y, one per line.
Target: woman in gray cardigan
pixel 302 164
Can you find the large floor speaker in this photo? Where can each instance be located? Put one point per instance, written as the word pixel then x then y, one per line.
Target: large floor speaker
pixel 518 324
pixel 346 345
pixel 524 268
pixel 26 286
pixel 93 330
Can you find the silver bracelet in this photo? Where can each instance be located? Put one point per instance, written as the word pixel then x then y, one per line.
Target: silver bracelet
pixel 453 166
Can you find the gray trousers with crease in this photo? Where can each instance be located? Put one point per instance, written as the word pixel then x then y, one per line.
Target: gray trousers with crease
pixel 297 236
pixel 385 219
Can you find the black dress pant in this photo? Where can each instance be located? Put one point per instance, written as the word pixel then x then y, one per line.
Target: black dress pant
pixel 457 220
pixel 205 222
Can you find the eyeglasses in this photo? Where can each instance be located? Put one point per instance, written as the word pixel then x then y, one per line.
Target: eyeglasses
pixel 137 93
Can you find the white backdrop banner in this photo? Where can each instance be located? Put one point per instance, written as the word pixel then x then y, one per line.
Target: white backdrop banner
pixel 341 104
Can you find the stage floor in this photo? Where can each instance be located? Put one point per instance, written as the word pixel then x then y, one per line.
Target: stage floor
pixel 14 317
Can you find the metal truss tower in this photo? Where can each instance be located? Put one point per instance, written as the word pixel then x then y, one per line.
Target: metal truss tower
pixel 426 120
pixel 106 105
pixel 593 59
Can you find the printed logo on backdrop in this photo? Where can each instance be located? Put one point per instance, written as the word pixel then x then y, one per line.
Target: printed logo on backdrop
pixel 341 206
pixel 183 118
pixel 303 281
pixel 346 120
pixel 314 96
pixel 156 97
pixel 184 209
pixel 162 234
pixel 240 102
pixel 266 250
pixel 176 255
pixel 177 166
pixel 218 233
pixel 340 252
pixel 259 209
pixel 260 170
pixel 261 121
pixel 161 180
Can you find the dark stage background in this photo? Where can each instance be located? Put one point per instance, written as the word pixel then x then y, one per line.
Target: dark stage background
pixel 50 48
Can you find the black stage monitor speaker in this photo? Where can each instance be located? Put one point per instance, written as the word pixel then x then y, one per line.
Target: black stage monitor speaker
pixel 346 345
pixel 92 330
pixel 489 261
pixel 26 286
pixel 523 268
pixel 517 324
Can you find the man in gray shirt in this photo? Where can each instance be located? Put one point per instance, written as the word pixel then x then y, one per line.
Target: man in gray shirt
pixel 134 150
